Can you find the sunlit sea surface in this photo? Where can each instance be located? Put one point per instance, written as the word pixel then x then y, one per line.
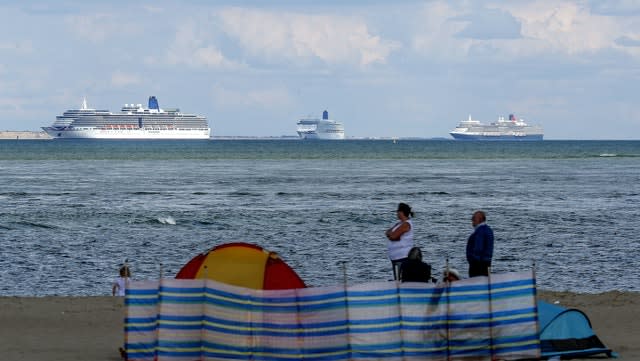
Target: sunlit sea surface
pixel 71 212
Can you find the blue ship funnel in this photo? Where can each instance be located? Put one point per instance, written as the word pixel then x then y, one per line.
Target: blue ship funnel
pixel 153 103
pixel 325 115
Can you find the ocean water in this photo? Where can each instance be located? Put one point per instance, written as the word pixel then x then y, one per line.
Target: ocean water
pixel 72 211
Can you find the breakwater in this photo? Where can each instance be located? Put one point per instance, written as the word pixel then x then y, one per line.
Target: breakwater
pixel 11 134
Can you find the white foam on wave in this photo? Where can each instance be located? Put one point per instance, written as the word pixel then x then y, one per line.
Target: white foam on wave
pixel 608 155
pixel 167 220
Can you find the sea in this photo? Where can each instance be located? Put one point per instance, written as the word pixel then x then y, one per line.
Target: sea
pixel 73 211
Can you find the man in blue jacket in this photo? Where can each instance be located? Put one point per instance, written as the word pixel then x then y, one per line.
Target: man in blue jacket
pixel 479 246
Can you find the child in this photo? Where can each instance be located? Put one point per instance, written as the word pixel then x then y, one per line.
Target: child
pixel 120 283
pixel 414 269
pixel 451 275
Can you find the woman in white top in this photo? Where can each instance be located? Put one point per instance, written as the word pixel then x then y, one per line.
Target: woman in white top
pixel 400 237
pixel 120 283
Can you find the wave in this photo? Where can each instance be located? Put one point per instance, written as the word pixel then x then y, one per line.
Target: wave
pixel 434 193
pixel 205 223
pixel 161 220
pixel 245 194
pixel 292 194
pixel 37 225
pixel 14 194
pixel 618 155
pixel 167 220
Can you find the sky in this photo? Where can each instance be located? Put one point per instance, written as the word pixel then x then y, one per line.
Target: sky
pixel 383 68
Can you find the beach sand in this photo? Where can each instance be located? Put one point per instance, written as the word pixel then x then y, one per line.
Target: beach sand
pixel 91 328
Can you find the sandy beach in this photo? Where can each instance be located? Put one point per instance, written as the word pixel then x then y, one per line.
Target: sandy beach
pixel 91 328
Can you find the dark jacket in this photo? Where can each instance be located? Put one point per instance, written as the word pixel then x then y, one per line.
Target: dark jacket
pixel 480 245
pixel 413 270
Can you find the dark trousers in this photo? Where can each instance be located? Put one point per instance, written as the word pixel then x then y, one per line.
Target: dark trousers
pixel 479 269
pixel 395 265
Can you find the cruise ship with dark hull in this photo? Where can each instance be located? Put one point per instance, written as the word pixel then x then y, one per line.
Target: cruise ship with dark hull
pixel 503 129
pixel 132 122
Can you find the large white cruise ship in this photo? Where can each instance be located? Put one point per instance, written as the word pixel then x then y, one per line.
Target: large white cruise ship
pixel 511 129
pixel 132 122
pixel 314 128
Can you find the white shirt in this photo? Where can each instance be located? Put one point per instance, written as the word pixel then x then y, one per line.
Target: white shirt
pixel 121 284
pixel 400 249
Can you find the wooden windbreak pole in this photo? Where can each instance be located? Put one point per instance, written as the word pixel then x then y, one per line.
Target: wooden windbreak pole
pixel 535 304
pixel 158 310
pixel 123 349
pixel 204 310
pixel 397 284
pixel 346 305
pixel 126 275
pixel 447 290
pixel 491 350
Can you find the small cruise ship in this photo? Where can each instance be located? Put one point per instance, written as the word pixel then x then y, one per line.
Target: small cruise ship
pixel 132 122
pixel 503 129
pixel 314 128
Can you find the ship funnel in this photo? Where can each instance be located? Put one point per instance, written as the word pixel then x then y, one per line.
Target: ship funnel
pixel 325 115
pixel 153 103
pixel 512 117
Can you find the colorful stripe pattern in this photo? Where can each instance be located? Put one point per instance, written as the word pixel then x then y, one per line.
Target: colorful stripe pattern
pixel 205 320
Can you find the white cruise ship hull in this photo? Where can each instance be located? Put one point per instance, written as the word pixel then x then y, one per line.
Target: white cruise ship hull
pixel 132 122
pixel 512 129
pixel 320 129
pixel 321 136
pixel 139 133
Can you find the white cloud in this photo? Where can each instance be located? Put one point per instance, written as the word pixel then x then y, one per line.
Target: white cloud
pixel 99 27
pixel 574 29
pixel 17 47
pixel 627 41
pixel 616 7
pixel 120 79
pixel 192 46
pixel 13 105
pixel 491 24
pixel 153 9
pixel 546 27
pixel 436 34
pixel 266 98
pixel 302 39
pixel 566 27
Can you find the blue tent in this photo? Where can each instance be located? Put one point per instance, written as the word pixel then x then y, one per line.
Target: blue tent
pixel 567 332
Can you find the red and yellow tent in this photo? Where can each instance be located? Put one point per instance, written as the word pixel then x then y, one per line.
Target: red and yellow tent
pixel 244 265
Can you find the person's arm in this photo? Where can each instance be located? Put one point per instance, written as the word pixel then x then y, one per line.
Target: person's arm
pixel 474 247
pixel 488 249
pixel 388 231
pixel 114 289
pixel 395 235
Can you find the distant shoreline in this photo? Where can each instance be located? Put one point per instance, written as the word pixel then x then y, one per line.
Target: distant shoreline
pixel 25 134
pixel 295 137
pixel 41 135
